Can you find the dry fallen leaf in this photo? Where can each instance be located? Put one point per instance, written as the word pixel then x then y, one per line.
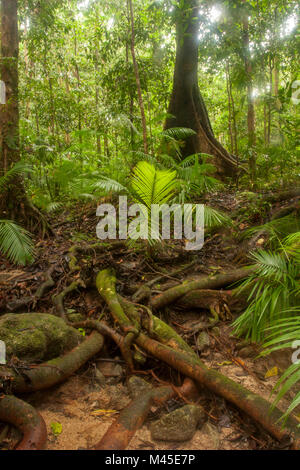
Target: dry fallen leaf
pixel 271 372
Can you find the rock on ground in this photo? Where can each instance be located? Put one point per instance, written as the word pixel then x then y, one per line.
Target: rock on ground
pixel 179 425
pixel 36 337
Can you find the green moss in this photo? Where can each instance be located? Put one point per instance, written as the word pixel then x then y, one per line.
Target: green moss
pixel 35 337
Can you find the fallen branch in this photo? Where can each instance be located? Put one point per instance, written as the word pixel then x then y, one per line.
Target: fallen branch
pixel 52 372
pixel 120 433
pixel 16 305
pixel 24 417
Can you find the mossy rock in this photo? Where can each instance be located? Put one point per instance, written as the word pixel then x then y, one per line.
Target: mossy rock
pixel 179 425
pixel 36 337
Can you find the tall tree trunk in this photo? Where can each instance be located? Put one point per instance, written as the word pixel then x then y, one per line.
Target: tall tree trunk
pixel 9 112
pixel 137 77
pixel 186 104
pixel 14 203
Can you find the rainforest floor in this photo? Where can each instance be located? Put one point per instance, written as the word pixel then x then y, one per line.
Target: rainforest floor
pixel 84 408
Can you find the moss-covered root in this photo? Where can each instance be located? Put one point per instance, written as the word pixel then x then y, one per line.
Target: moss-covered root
pixel 104 329
pixel 156 328
pixel 106 285
pixel 52 372
pixel 120 433
pixel 90 249
pixel 255 406
pixel 24 417
pixel 210 282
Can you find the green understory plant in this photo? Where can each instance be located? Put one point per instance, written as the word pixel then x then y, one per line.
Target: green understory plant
pixel 273 315
pixel 15 242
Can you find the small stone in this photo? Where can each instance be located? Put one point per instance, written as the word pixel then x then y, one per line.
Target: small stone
pixel 179 425
pixel 136 386
pixel 99 378
pixel 75 317
pixel 119 398
pixel 216 331
pixel 242 344
pixel 203 341
pixel 113 372
pixel 214 435
pixel 248 351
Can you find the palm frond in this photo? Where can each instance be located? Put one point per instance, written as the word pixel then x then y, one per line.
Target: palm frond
pixel 277 229
pixel 273 291
pixel 108 184
pixel 214 218
pixel 18 169
pixel 178 133
pixel 152 186
pixel 15 242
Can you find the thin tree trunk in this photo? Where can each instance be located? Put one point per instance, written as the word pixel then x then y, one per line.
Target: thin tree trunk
pixel 77 74
pixel 235 132
pixel 229 111
pixel 137 77
pixel 270 100
pixel 250 99
pixel 131 104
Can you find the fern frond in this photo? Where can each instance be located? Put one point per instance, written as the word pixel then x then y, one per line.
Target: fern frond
pixel 214 218
pixel 178 133
pixel 152 186
pixel 15 242
pixel 18 169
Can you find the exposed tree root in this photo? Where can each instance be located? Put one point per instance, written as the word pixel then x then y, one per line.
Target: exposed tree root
pixel 219 300
pixel 144 291
pixel 16 305
pixel 120 433
pixel 52 372
pixel 59 299
pixel 189 365
pixel 255 406
pixel 88 249
pixel 105 330
pixel 24 417
pixel 210 282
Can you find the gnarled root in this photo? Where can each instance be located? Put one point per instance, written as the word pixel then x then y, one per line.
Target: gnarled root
pixel 210 282
pixel 58 300
pixel 52 372
pixel 189 365
pixel 255 406
pixel 207 298
pixel 120 433
pixel 24 417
